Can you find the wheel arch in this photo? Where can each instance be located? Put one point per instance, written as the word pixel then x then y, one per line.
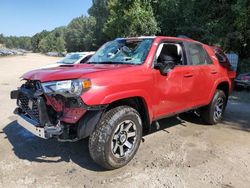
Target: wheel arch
pixel 138 103
pixel 224 86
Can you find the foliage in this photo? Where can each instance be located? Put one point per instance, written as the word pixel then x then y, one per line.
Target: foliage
pixel 79 34
pixel 130 18
pixel 99 10
pixel 35 40
pixel 224 23
pixel 53 42
pixel 16 42
pixel 244 66
pixel 2 40
pixel 241 10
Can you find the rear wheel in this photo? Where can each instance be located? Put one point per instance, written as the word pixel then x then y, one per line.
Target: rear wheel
pixel 213 113
pixel 117 137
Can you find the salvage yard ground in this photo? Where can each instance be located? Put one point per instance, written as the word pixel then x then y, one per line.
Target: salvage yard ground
pixel 181 154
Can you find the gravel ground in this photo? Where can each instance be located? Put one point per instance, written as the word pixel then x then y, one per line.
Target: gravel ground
pixel 181 154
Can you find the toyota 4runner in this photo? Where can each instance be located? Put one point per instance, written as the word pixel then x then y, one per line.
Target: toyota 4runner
pixel 128 84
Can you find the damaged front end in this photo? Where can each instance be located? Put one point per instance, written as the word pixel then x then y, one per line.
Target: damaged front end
pixel 55 109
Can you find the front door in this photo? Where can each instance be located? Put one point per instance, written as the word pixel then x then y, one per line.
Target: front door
pixel 172 90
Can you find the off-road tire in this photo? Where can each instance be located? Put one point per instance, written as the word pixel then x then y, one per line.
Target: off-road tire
pixel 208 112
pixel 100 140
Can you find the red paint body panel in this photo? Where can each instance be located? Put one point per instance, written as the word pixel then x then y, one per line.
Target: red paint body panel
pixel 183 88
pixel 72 115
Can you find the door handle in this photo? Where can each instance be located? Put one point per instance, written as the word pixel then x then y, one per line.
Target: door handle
pixel 188 75
pixel 214 72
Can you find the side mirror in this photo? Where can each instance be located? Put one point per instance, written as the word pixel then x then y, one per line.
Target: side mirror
pixel 165 65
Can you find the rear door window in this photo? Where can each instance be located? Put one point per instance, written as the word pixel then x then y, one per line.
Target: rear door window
pixel 198 55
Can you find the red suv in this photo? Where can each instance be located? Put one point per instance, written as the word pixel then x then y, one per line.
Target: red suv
pixel 114 98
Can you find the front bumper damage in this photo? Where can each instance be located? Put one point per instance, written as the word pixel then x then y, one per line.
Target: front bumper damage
pixel 34 127
pixel 54 115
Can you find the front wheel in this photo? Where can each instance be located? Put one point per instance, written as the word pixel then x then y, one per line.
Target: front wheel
pixel 213 113
pixel 117 137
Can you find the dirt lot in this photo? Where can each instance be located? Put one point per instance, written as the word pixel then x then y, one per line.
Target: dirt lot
pixel 181 154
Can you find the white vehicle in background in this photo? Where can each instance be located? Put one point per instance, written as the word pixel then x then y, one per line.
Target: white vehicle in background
pixel 72 58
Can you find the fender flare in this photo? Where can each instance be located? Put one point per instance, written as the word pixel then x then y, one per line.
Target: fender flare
pixel 217 83
pixel 88 124
pixel 129 94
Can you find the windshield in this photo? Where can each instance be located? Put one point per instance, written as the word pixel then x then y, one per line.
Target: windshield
pixel 122 51
pixel 71 58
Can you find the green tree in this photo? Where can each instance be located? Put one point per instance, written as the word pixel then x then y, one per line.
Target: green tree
pixel 60 44
pixel 99 10
pixel 53 42
pixel 130 18
pixel 36 39
pixel 206 21
pixel 80 34
pixel 2 39
pixel 17 42
pixel 241 10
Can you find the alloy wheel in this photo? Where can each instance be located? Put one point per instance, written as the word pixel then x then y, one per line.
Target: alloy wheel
pixel 124 139
pixel 219 107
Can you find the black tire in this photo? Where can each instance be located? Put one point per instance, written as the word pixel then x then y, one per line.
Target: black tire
pixel 107 134
pixel 209 112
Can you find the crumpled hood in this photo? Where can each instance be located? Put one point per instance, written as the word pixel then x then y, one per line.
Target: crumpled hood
pixel 69 72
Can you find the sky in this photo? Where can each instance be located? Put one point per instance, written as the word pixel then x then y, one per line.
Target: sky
pixel 27 17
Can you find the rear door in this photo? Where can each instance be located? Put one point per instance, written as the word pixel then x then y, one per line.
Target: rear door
pixel 205 73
